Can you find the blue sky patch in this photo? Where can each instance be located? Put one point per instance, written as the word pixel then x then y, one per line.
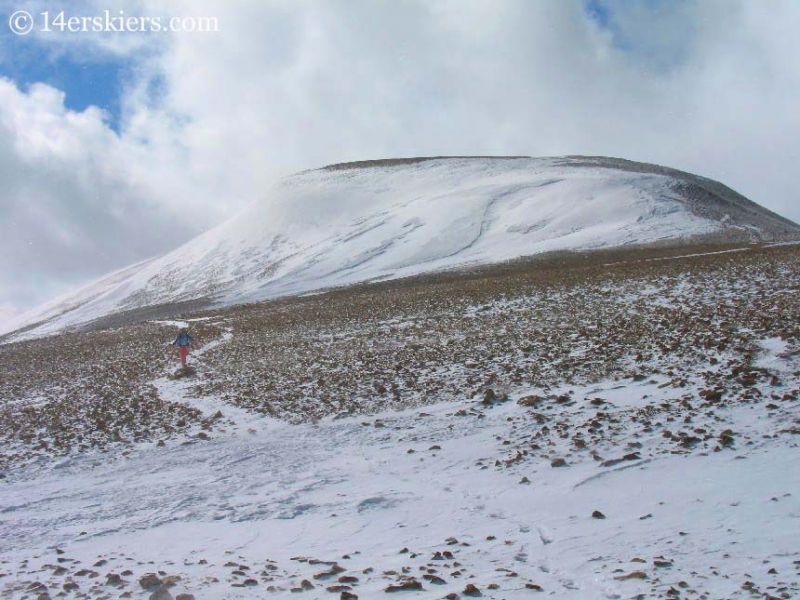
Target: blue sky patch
pixel 95 82
pixel 602 14
pixel 598 12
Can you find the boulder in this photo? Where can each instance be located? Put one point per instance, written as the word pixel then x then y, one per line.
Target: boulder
pixel 150 581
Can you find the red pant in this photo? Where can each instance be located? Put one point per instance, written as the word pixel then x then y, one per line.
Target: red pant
pixel 184 353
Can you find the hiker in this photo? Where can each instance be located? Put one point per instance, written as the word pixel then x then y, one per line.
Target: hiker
pixel 182 342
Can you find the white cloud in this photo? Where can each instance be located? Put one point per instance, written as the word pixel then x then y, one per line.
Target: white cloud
pixel 76 200
pixel 706 86
pixel 7 312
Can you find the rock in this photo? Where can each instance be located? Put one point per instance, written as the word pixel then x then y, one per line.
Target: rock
pixel 524 480
pixel 714 395
pixel 435 580
pixel 332 572
pixel 690 441
pixel 598 515
pixel 161 593
pixel 558 462
pixel 409 584
pixel 113 579
pixel 726 438
pixel 530 401
pixel 615 461
pixel 170 580
pixel 348 596
pixel 185 597
pixel 534 586
pixel 150 581
pixel 471 591
pixel 489 398
pixel 662 563
pixel 632 575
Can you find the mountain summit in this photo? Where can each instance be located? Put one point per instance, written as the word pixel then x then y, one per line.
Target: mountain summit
pixel 385 219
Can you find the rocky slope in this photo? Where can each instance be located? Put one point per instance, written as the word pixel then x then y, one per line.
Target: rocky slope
pixel 622 424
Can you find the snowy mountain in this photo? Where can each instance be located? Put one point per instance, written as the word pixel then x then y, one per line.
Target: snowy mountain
pixel 376 220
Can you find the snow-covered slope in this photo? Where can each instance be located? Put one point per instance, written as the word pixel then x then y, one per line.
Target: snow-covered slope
pixel 436 501
pixel 377 220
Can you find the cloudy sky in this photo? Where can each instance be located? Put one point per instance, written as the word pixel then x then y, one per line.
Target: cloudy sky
pixel 119 145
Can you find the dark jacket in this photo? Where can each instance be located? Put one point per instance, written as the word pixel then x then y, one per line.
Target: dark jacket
pixel 183 339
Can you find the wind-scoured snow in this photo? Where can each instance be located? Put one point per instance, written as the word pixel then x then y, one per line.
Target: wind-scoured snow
pixel 347 224
pixel 260 512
